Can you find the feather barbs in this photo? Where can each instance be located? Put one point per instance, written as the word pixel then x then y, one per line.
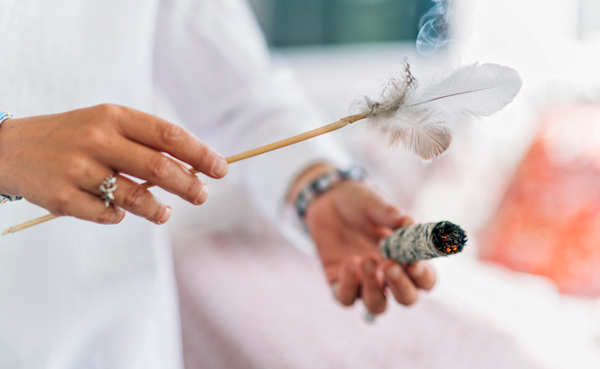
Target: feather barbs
pixel 423 117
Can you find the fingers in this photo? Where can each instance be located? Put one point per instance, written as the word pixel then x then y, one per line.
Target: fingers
pixel 401 285
pixel 422 275
pixel 372 288
pixel 163 136
pixel 346 290
pixel 129 195
pixel 143 162
pixel 137 200
pixel 83 205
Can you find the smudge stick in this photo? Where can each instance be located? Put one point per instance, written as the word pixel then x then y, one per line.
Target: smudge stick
pixel 423 241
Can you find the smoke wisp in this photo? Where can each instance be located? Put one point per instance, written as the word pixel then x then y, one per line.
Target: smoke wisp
pixel 434 27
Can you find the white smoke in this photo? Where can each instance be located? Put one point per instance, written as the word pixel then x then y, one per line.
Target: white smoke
pixel 434 27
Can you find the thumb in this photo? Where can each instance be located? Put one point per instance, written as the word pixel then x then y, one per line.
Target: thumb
pixel 384 214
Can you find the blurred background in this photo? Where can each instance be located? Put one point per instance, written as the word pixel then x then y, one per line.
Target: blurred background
pixel 328 22
pixel 525 184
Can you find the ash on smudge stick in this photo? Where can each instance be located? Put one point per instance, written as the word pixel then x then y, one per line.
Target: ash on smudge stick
pixel 448 238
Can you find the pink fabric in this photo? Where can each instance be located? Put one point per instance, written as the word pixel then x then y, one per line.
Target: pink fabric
pixel 258 303
pixel 547 223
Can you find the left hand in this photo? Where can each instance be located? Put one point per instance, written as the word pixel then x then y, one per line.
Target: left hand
pixel 346 224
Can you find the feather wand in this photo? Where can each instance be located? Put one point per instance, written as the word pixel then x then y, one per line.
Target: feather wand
pixel 420 117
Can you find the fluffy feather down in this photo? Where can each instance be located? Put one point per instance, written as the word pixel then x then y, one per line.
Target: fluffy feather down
pixel 423 117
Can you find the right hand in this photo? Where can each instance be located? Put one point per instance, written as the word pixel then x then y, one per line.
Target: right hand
pixel 59 161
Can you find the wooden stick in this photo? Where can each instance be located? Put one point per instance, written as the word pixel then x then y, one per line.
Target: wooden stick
pixel 232 159
pixel 31 223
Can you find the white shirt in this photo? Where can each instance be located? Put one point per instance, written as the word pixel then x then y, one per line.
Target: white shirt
pixel 74 294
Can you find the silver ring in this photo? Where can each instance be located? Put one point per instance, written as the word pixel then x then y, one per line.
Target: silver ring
pixel 108 187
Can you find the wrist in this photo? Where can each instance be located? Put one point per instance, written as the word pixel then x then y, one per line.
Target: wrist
pixel 306 178
pixel 323 184
pixel 6 141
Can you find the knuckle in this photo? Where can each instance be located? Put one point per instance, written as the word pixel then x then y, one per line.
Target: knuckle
pixel 108 116
pixel 194 188
pixel 205 152
pixel 109 110
pixel 157 215
pixel 92 133
pixel 94 136
pixel 58 210
pixel 134 198
pixel 78 167
pixel 160 166
pixel 172 135
pixel 61 200
pixel 108 216
pixel 205 157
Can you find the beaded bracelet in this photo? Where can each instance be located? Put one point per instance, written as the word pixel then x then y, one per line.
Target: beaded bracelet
pixel 7 198
pixel 325 183
pixel 4 116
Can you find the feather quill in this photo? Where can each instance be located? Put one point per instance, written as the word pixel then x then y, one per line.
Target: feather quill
pixel 423 117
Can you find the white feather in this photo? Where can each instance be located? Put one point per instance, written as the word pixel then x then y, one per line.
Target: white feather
pixel 423 117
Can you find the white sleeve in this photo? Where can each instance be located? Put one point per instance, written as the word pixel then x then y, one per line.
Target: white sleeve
pixel 213 65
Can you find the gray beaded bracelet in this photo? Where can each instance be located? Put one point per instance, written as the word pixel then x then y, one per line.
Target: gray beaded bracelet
pixel 325 183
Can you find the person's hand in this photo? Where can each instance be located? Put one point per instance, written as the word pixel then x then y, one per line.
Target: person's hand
pixel 59 162
pixel 346 224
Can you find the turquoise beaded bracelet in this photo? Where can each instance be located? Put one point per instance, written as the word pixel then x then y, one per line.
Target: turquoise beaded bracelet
pixel 7 198
pixel 4 116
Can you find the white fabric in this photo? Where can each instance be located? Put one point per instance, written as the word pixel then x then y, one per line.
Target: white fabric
pixel 290 320
pixel 79 295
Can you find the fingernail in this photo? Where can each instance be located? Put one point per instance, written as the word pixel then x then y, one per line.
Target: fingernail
pixel 393 272
pixel 407 221
pixel 165 218
pixel 220 167
pixel 417 270
pixel 369 266
pixel 203 195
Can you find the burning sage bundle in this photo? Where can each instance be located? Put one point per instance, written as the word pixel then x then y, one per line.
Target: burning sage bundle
pixel 423 241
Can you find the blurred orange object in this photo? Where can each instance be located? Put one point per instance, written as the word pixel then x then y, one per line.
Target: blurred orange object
pixel 548 223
